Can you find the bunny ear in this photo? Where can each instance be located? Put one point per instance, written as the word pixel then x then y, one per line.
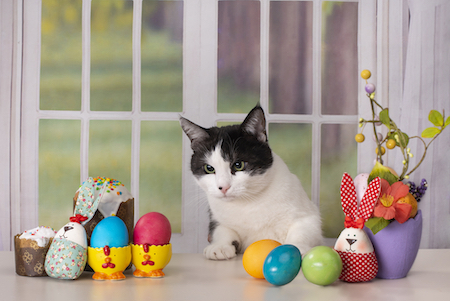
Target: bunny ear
pixel 369 199
pixel 348 196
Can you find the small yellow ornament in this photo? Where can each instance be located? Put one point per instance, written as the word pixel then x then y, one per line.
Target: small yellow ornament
pixel 365 74
pixel 383 150
pixel 360 138
pixel 390 144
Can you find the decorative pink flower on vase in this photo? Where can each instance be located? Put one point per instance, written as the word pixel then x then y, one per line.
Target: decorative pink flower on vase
pixel 387 206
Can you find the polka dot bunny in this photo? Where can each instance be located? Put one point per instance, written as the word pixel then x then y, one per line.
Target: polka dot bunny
pixel 353 245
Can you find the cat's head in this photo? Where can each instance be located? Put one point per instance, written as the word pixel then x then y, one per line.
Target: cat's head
pixel 231 161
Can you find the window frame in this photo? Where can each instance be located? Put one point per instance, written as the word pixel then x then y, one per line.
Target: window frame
pixel 199 103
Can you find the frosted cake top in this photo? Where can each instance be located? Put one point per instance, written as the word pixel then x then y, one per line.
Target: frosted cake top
pixel 41 235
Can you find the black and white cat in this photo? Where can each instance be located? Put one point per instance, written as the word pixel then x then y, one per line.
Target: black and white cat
pixel 251 193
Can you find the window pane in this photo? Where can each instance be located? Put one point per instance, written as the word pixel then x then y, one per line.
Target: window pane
pixel 293 143
pixel 162 56
pixel 160 170
pixel 111 55
pixel 339 155
pixel 59 170
pixel 60 81
pixel 290 57
pixel 238 65
pixel 110 150
pixel 339 58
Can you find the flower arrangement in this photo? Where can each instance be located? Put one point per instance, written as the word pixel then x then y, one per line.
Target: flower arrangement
pixel 397 201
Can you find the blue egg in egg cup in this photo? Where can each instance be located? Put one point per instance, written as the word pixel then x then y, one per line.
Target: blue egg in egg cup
pixel 109 254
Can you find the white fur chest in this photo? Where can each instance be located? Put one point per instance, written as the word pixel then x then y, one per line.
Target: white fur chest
pixel 275 201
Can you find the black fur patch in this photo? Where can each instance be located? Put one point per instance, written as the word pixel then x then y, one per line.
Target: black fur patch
pixel 236 145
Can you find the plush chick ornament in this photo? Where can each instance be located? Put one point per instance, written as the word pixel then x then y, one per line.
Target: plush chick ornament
pixel 66 258
pixel 353 245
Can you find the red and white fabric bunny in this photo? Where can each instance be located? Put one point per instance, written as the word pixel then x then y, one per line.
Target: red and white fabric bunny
pixel 353 245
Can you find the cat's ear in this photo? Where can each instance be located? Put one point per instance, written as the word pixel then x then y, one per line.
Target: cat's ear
pixel 195 132
pixel 255 124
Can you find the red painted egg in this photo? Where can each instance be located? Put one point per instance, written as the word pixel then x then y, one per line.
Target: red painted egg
pixel 152 228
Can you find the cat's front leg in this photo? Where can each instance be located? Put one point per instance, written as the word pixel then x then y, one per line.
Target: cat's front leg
pixel 224 244
pixel 305 234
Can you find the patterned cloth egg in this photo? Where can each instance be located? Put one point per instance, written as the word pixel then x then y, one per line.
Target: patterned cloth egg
pixel 67 255
pixel 358 267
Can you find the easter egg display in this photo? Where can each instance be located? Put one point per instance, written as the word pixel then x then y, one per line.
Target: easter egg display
pixel 151 250
pixel 109 254
pixel 67 256
pixel 282 264
pixel 322 265
pixel 152 228
pixel 111 232
pixel 255 256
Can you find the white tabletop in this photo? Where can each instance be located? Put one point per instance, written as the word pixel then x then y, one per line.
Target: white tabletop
pixel 192 277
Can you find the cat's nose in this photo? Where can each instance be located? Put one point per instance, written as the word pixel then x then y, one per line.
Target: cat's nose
pixel 224 189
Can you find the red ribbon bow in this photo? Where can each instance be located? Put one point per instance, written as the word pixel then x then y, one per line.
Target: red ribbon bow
pixel 78 218
pixel 350 223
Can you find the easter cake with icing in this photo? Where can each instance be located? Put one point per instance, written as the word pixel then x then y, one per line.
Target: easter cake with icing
pixel 101 197
pixel 31 247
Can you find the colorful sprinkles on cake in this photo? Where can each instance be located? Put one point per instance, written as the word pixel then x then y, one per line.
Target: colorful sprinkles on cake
pixel 111 184
pixel 102 193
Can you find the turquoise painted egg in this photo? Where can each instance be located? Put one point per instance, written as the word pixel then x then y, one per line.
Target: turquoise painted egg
pixel 282 264
pixel 111 232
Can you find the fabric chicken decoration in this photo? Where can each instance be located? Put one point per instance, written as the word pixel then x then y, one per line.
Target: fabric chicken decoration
pixel 353 245
pixel 67 256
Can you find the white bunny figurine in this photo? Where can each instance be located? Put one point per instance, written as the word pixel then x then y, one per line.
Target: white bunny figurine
pixel 353 245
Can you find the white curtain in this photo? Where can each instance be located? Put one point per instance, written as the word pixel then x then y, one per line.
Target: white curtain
pixel 426 86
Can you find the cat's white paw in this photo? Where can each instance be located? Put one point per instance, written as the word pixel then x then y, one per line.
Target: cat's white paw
pixel 220 252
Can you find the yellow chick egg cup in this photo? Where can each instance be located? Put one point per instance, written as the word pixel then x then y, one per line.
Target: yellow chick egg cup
pixel 150 260
pixel 109 263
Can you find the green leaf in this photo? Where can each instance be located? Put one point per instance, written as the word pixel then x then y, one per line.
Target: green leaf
pixel 383 172
pixel 436 118
pixel 376 224
pixel 384 118
pixel 447 122
pixel 430 132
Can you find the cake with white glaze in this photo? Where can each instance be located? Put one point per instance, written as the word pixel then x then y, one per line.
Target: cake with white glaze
pixel 101 197
pixel 31 247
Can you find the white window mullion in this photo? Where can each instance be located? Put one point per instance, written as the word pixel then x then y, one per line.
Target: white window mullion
pixel 85 89
pixel 264 54
pixel 367 59
pixel 199 103
pixel 27 211
pixel 136 106
pixel 316 102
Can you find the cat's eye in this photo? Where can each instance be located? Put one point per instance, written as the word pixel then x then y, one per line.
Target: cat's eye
pixel 209 168
pixel 239 166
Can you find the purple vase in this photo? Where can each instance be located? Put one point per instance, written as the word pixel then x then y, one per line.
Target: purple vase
pixel 396 247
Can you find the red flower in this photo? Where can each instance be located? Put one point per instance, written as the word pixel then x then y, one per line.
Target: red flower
pixel 387 206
